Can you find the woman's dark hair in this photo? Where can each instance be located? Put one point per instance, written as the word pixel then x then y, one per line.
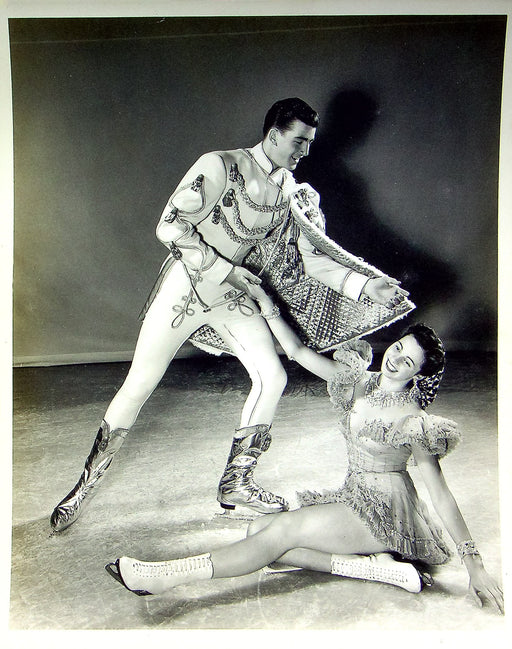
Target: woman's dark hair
pixel 285 111
pixel 432 347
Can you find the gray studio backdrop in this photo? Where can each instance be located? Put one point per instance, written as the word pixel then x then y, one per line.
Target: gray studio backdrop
pixel 110 113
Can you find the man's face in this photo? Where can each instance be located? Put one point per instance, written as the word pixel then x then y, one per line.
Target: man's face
pixel 288 147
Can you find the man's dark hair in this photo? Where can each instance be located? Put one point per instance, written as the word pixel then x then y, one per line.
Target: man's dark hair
pixel 285 111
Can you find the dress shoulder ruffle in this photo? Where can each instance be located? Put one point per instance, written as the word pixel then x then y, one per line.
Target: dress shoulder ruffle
pixel 436 435
pixel 353 358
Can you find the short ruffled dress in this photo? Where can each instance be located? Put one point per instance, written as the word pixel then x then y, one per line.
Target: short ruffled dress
pixel 378 487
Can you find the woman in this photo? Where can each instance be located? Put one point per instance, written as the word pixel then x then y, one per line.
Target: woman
pixel 376 516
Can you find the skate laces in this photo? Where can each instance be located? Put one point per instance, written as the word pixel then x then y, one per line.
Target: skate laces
pixel 148 570
pixel 265 496
pixel 373 567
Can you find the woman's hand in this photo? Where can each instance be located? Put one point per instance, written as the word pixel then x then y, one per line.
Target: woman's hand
pixel 264 301
pixel 483 587
pixel 243 280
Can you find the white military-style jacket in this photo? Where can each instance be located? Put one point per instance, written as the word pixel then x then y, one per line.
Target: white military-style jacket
pixel 227 202
pixel 230 203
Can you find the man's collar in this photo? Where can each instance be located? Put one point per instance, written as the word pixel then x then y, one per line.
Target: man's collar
pixel 262 159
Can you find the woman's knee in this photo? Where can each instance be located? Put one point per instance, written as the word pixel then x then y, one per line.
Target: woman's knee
pixel 259 523
pixel 279 527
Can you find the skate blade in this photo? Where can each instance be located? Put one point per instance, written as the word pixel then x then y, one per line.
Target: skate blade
pixel 236 515
pixel 275 568
pixel 426 579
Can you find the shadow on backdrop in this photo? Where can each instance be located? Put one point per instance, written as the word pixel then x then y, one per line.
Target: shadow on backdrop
pixel 351 219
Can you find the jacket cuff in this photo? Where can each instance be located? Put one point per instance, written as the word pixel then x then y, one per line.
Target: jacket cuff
pixel 218 271
pixel 353 284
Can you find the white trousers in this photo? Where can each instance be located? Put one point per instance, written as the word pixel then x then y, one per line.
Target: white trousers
pixel 247 335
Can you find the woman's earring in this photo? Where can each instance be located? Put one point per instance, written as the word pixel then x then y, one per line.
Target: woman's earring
pixel 416 380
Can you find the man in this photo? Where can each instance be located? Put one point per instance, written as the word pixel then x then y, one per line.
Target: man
pixel 227 204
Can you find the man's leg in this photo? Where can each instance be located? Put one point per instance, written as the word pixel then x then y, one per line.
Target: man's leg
pixel 252 342
pixel 156 346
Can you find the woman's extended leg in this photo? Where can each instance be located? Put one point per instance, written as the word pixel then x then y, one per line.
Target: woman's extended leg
pixel 330 529
pixel 378 566
pixel 327 538
pixel 296 558
pixel 330 537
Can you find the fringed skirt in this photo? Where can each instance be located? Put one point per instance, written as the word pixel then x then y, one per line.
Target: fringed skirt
pixel 389 505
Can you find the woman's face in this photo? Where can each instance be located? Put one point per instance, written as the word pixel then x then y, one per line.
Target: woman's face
pixel 403 359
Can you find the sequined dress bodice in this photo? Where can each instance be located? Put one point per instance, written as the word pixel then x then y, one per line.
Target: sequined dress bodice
pixel 366 454
pixel 378 486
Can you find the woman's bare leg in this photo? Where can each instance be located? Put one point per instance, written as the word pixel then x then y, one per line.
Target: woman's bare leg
pixel 327 538
pixel 326 529
pixel 298 557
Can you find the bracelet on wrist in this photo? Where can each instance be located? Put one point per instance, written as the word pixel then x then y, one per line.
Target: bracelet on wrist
pixel 465 548
pixel 344 282
pixel 273 313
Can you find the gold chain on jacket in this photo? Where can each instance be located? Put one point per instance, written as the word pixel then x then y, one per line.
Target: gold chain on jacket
pixel 230 200
pixel 236 177
pixel 219 217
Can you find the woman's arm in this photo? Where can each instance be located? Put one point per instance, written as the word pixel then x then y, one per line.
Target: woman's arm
pixel 481 585
pixel 293 347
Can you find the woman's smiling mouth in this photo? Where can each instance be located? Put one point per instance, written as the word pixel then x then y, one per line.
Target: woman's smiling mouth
pixel 390 366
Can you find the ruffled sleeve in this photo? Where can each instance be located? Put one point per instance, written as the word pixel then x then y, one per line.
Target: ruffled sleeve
pixel 436 435
pixel 353 358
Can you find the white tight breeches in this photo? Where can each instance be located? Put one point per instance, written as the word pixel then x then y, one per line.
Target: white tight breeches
pixel 248 336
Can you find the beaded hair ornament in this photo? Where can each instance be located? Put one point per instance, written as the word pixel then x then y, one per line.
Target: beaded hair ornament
pixel 427 387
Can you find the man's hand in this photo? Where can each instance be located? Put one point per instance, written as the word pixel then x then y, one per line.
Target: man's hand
pixel 242 279
pixel 385 291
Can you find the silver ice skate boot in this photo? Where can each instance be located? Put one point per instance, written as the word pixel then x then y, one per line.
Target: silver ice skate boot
pixel 106 444
pixel 237 486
